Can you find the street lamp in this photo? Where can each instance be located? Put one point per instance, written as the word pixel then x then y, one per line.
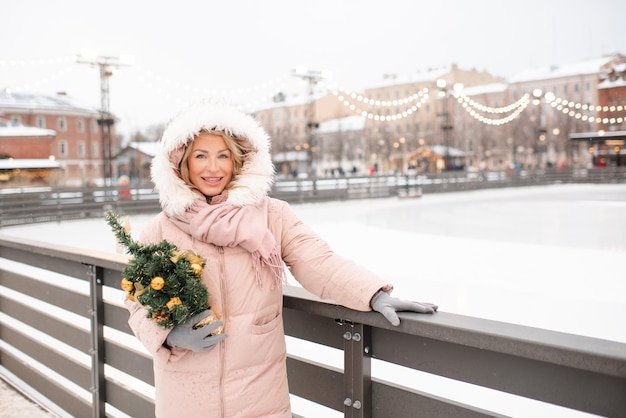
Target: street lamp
pixel 312 78
pixel 446 125
pixel 540 141
pixel 106 65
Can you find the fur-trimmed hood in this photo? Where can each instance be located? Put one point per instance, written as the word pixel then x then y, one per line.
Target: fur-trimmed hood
pixel 257 175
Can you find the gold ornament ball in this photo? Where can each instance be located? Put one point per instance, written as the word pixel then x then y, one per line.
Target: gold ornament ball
pixel 127 285
pixel 173 302
pixel 157 282
pixel 197 269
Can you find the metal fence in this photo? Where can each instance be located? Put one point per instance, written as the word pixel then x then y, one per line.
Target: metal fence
pixel 64 333
pixel 44 204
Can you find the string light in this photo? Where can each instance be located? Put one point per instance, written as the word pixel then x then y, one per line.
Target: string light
pixel 42 62
pixel 521 106
pixel 467 101
pixel 410 103
pixel 157 83
pixel 573 110
pixel 359 104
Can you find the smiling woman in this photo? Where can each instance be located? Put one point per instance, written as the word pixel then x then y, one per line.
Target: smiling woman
pixel 213 172
pixel 209 163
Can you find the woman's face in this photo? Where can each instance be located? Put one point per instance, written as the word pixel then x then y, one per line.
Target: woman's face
pixel 210 164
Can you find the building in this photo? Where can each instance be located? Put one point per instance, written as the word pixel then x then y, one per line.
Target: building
pixel 77 146
pixel 566 99
pixel 341 146
pixel 490 122
pixel 437 119
pixel 133 161
pixel 25 156
pixel 398 115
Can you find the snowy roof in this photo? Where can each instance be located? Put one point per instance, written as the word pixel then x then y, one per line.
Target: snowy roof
pixel 349 123
pixel 616 77
pixel 292 100
pixel 485 89
pixel 43 102
pixel 19 130
pixel 599 136
pixel 148 148
pixel 591 66
pixel 290 156
pixel 27 163
pixel 608 84
pixel 430 74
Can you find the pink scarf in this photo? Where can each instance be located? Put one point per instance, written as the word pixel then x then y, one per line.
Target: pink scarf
pixel 230 226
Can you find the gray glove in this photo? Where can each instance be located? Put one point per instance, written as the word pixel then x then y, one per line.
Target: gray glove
pixel 195 339
pixel 388 306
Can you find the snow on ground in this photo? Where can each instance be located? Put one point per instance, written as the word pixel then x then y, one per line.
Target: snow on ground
pixel 549 257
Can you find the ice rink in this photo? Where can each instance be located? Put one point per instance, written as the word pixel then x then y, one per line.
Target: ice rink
pixel 550 256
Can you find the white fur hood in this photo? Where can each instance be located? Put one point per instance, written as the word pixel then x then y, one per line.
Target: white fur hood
pixel 257 175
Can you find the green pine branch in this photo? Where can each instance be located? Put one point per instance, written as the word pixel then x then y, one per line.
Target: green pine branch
pixel 181 279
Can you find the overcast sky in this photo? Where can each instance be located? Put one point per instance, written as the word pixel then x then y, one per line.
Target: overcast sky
pixel 215 48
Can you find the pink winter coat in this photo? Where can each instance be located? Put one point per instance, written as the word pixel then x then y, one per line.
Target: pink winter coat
pixel 245 375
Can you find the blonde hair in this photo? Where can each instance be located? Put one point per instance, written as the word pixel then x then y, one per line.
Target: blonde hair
pixel 237 155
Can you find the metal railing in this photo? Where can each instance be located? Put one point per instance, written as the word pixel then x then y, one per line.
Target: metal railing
pixel 64 334
pixel 44 204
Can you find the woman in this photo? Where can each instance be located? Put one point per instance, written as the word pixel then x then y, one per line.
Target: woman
pixel 213 174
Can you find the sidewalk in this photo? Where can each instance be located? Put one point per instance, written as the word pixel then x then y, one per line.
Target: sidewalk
pixel 13 404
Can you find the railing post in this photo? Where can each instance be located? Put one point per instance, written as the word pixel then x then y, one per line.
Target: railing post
pixel 357 370
pixel 98 388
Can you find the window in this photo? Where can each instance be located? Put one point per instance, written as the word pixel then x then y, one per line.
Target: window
pixel 81 149
pixel 80 125
pixel 94 125
pixel 41 122
pixel 63 148
pixel 16 120
pixel 62 124
pixel 94 150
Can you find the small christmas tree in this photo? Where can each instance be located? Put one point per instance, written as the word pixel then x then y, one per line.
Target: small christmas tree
pixel 163 279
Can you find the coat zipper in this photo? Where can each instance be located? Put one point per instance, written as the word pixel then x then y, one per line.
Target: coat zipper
pixel 224 298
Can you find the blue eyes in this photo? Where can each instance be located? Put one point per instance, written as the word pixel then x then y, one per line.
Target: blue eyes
pixel 221 156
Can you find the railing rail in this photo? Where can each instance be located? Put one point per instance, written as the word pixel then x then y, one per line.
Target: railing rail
pixel 45 204
pixel 64 333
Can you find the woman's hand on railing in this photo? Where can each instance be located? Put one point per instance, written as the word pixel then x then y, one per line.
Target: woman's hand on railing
pixel 389 306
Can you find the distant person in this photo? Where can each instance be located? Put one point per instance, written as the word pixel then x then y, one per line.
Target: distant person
pixel 213 173
pixel 123 182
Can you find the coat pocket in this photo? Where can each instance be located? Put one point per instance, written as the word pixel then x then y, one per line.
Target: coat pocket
pixel 266 320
